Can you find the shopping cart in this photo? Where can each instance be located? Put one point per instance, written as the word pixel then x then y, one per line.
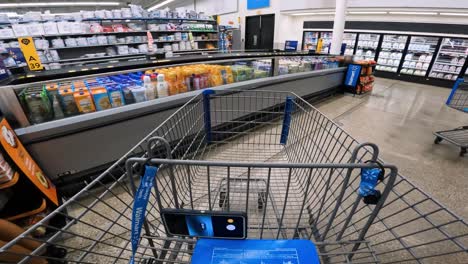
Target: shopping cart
pixel 294 172
pixel 458 99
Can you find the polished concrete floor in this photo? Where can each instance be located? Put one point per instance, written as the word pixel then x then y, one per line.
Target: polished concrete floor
pixel 401 117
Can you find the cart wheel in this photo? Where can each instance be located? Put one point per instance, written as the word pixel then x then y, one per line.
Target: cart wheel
pixel 462 152
pixel 222 199
pixel 437 140
pixel 261 200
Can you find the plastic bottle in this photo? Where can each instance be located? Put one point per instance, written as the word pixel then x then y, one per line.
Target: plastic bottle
pixel 154 82
pixel 162 87
pixel 196 81
pixel 172 82
pixel 149 89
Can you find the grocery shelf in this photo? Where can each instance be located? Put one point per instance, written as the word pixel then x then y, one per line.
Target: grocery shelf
pixel 447 63
pixel 99 57
pixel 418 61
pixel 425 51
pixel 449 45
pixel 387 65
pixel 414 68
pixel 99 45
pixel 111 33
pixel 458 53
pixel 434 70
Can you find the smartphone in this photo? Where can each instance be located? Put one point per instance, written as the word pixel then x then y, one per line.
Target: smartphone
pixel 208 224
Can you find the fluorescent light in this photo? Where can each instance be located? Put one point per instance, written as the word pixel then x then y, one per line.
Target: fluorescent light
pixel 10 14
pixel 367 12
pixel 453 14
pixel 412 13
pixel 40 4
pixel 315 13
pixel 160 5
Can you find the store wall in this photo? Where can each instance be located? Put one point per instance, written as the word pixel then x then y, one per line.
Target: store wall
pixel 307 4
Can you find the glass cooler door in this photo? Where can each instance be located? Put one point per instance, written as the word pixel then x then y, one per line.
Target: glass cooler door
pixel 326 42
pixel 350 40
pixel 391 53
pixel 310 40
pixel 367 46
pixel 419 55
pixel 450 59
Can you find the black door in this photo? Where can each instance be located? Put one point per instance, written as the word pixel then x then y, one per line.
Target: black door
pixel 259 32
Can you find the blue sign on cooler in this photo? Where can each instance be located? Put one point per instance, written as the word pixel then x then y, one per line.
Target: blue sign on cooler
pixel 254 251
pixel 290 45
pixel 352 75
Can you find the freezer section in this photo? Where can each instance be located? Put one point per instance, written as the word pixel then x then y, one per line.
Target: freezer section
pixel 391 52
pixel 367 46
pixel 450 59
pixel 419 55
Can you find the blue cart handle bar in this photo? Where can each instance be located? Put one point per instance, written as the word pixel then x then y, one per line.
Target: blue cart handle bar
pixel 139 207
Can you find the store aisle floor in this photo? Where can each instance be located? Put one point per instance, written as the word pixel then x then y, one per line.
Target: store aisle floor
pixel 401 118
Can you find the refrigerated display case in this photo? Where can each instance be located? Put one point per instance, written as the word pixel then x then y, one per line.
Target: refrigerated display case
pixel 75 115
pixel 310 40
pixel 350 40
pixel 450 59
pixel 419 55
pixel 367 46
pixel 391 52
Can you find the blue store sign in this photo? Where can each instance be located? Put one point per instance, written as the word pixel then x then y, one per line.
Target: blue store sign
pixel 290 45
pixel 255 4
pixel 352 75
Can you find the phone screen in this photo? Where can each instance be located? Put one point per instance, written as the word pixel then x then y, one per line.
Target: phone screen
pixel 205 224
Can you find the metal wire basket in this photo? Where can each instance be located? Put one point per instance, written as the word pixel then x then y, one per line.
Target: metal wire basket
pixel 458 99
pixel 272 155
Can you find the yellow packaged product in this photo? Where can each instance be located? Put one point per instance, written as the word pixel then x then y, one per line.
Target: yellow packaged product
pixel 84 101
pixel 101 99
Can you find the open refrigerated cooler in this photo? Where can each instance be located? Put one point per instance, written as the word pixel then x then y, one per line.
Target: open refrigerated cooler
pixel 450 59
pixel 367 46
pixel 420 53
pixel 111 105
pixel 391 52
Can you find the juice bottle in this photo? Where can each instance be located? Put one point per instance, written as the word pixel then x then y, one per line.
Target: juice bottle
pixel 84 102
pixel 149 89
pixel 229 75
pixel 154 82
pixel 188 79
pixel 162 86
pixel 171 80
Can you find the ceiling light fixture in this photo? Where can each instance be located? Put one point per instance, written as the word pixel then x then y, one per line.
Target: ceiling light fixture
pixel 10 14
pixel 367 12
pixel 453 14
pixel 413 13
pixel 160 5
pixel 40 4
